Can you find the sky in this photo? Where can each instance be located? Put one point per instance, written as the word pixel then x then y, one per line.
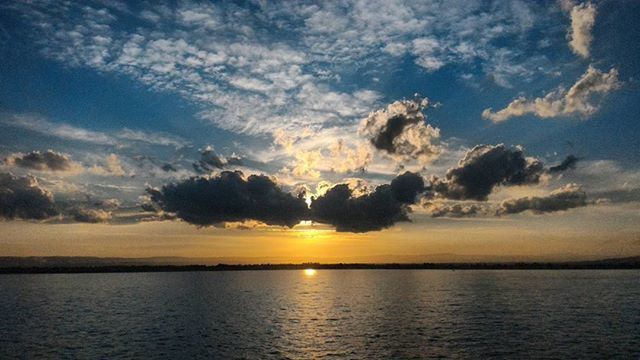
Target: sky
pixel 257 131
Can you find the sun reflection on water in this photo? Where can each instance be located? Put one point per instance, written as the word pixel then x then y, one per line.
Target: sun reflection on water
pixel 310 272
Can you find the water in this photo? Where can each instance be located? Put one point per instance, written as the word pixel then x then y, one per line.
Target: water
pixel 360 314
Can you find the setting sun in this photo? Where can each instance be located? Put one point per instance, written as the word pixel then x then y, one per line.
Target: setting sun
pixel 310 272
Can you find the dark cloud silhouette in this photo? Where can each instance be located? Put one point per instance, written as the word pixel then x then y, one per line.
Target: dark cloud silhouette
pixel 564 198
pixel 383 140
pixel 46 161
pixel 380 209
pixel 568 163
pixel 483 168
pixel 228 197
pixel 22 197
pixel 210 161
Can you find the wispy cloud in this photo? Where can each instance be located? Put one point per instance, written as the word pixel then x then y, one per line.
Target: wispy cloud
pixel 121 138
pixel 578 100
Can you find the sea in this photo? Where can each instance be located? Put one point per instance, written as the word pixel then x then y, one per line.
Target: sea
pixel 335 314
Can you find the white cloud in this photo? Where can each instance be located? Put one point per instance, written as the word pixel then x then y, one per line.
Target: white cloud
pixel 111 166
pixel 247 82
pixel 578 100
pixel 583 18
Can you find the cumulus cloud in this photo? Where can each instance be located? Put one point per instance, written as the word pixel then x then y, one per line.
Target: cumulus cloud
pixel 346 159
pixel 22 197
pixel 567 197
pixel 210 160
pixel 229 197
pixel 374 211
pixel 568 163
pixel 578 100
pixel 43 161
pixel 112 166
pixel 401 132
pixel 583 17
pixel 483 168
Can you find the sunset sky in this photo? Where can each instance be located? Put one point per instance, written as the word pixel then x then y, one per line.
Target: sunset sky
pixel 330 131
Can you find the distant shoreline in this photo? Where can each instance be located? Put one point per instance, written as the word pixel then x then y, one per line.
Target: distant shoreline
pixel 609 264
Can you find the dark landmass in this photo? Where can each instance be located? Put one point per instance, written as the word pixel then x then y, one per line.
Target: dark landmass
pixel 17 265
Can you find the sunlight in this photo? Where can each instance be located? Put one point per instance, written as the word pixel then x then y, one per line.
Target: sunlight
pixel 310 272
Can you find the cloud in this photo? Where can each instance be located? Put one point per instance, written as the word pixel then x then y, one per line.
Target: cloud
pixel 229 197
pixel 583 17
pixel 455 210
pixel 90 215
pixel 483 168
pixel 210 161
pixel 568 163
pixel 576 101
pixel 246 79
pixel 346 159
pixel 112 166
pixel 168 168
pixel 60 130
pixel 121 138
pixel 400 131
pixel 152 138
pixel 567 197
pixel 374 211
pixel 46 161
pixel 22 197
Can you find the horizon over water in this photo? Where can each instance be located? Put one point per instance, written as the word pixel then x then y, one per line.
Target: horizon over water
pixel 359 314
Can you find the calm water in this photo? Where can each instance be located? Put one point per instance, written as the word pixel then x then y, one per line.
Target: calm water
pixel 362 314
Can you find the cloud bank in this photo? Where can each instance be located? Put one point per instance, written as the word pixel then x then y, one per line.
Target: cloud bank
pixel 564 198
pixel 229 197
pixel 46 161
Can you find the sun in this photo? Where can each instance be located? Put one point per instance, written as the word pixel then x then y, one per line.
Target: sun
pixel 310 272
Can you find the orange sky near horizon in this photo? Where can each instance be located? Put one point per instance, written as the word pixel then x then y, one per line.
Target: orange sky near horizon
pixel 582 234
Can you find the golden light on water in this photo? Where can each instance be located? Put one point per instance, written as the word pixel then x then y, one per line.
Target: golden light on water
pixel 310 272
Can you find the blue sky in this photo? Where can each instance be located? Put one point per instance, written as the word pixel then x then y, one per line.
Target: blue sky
pixel 121 89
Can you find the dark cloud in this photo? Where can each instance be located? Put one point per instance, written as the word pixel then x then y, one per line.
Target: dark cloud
pixel 46 161
pixel 228 197
pixel 22 197
pixel 564 198
pixel 383 140
pixel 406 187
pixel 210 161
pixel 168 168
pixel 484 167
pixel 380 209
pixel 401 131
pixel 568 163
